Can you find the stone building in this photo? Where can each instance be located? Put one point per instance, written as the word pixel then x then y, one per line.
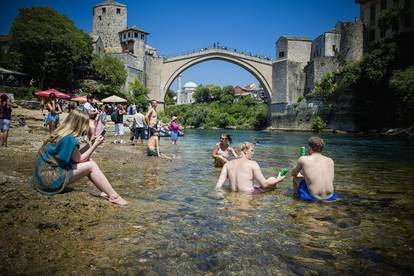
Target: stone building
pixel 112 36
pixel 185 96
pixel 371 12
pixel 292 55
pixel 257 92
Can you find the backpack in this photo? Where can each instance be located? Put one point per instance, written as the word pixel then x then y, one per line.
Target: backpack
pixel 114 116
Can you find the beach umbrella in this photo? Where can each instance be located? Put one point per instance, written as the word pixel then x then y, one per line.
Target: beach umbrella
pixel 58 94
pixel 81 99
pixel 114 99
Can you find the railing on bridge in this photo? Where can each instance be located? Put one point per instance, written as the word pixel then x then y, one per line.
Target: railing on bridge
pixel 216 45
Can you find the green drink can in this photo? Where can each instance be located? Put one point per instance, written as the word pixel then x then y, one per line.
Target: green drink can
pixel 302 151
pixel 283 171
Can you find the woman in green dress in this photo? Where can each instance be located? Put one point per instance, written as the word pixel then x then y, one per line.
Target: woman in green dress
pixel 59 162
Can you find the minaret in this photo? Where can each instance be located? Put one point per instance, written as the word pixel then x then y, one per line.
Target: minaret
pixel 179 89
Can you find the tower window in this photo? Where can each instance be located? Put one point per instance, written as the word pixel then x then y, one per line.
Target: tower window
pixel 100 17
pixel 129 35
pixel 118 11
pixel 104 10
pixel 142 36
pixel 281 54
pixel 136 35
pixel 124 36
pixel 334 49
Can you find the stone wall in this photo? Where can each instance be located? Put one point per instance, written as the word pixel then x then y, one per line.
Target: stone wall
pixel 299 51
pixel 352 40
pixel 295 116
pixel 316 69
pixel 108 24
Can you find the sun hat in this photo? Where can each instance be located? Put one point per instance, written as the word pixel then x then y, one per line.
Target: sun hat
pixel 173 118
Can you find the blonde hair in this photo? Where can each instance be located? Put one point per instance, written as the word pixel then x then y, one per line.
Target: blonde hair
pixel 76 123
pixel 243 147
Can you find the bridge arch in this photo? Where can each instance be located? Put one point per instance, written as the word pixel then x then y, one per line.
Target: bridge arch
pixel 261 69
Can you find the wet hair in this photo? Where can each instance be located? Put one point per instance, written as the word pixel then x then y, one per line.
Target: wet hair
pixel 243 147
pixel 227 136
pixel 52 96
pixel 316 143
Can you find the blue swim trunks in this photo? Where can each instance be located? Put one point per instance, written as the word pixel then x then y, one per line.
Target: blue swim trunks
pixel 305 195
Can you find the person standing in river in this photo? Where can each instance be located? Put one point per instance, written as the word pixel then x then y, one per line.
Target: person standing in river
pixel 175 130
pixel 313 175
pixel 151 118
pixel 222 150
pixel 59 161
pixel 242 171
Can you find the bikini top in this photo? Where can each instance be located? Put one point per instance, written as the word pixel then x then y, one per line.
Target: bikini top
pixel 222 152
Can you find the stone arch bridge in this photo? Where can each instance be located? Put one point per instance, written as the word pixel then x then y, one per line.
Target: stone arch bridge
pixel 168 69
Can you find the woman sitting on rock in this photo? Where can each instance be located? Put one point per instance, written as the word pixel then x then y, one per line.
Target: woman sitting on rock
pixel 59 162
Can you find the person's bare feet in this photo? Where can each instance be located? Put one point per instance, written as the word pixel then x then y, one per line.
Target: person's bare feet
pixel 104 195
pixel 118 200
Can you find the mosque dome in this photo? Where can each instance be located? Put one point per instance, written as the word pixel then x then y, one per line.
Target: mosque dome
pixel 190 85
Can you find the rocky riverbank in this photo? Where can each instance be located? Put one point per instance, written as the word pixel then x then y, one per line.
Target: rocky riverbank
pixel 47 235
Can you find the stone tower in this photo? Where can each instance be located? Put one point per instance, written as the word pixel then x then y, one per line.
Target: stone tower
pixel 109 18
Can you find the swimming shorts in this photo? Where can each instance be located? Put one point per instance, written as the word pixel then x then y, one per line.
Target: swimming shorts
pixel 152 153
pixel 305 195
pixel 257 190
pixel 4 124
pixel 52 118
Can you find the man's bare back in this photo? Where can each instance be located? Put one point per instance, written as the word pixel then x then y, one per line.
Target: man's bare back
pixel 318 172
pixel 242 171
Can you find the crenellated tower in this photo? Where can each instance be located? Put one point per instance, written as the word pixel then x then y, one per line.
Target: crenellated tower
pixel 109 18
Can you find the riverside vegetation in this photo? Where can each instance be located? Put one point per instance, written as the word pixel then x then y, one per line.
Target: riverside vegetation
pixel 380 86
pixel 217 107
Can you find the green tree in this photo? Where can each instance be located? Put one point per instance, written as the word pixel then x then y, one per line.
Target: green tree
pixel 201 94
pixel 215 92
pixel 138 94
pixel 169 97
pixel 11 60
pixel 51 47
pixel 402 83
pixel 109 69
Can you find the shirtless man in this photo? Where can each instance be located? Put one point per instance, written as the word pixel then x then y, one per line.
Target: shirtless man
pixel 242 171
pixel 314 174
pixel 151 116
pixel 153 146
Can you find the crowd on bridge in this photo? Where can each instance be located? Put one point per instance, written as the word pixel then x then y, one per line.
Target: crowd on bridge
pixel 217 45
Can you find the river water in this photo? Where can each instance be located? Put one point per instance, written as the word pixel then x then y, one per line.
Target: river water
pixel 181 226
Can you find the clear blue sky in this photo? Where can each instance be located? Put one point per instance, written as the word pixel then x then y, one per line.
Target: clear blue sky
pixel 180 26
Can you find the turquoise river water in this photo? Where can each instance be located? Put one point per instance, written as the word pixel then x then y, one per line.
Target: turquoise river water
pixel 187 228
